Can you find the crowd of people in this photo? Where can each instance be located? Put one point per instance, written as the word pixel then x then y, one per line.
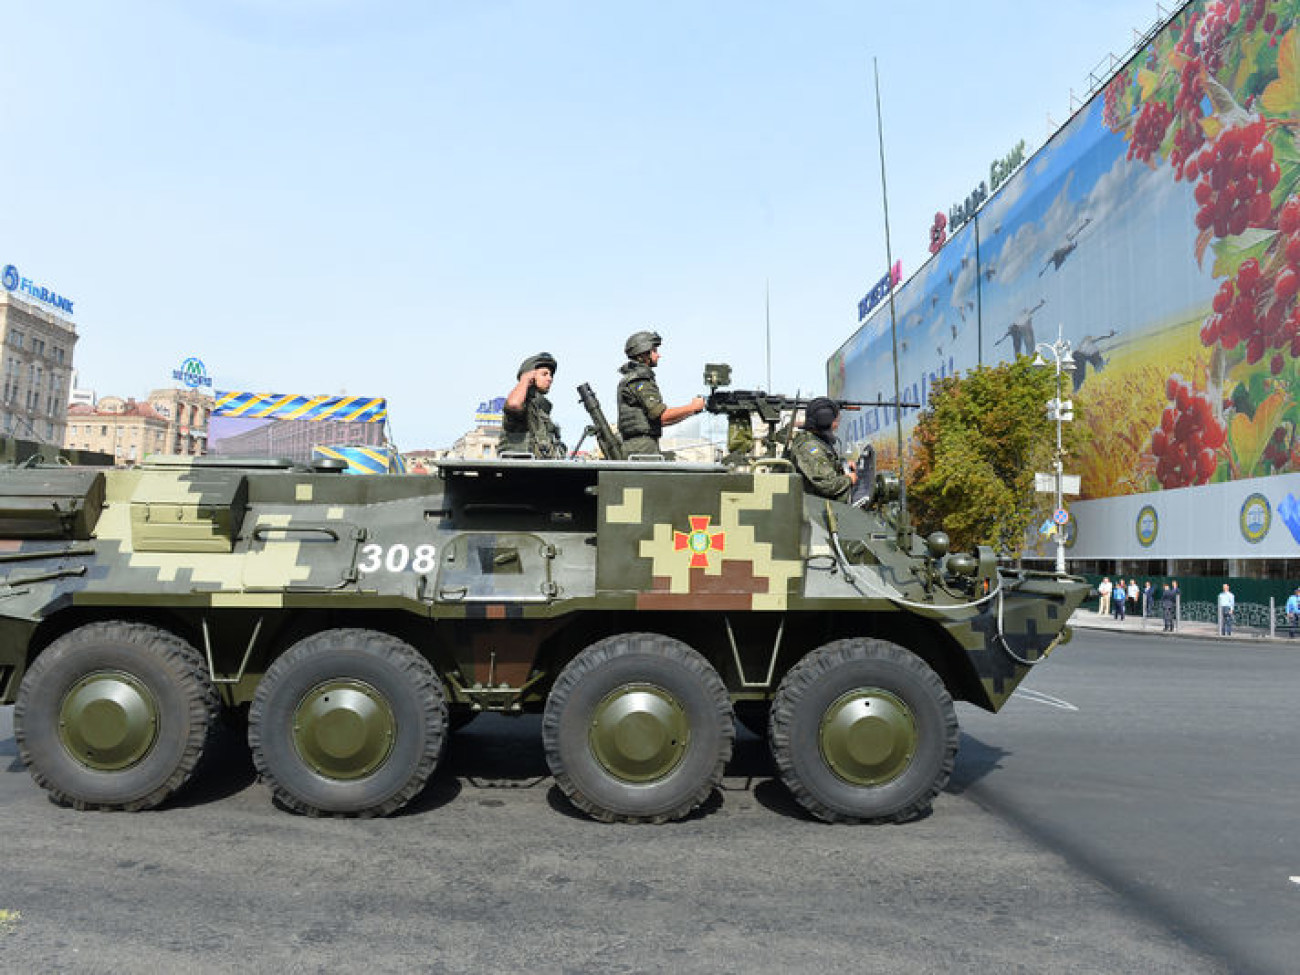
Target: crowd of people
pixel 1119 599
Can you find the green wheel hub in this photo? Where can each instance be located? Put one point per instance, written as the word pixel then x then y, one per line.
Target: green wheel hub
pixel 344 729
pixel 868 736
pixel 108 720
pixel 639 732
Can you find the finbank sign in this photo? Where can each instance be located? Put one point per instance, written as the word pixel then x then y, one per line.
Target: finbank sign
pixel 13 281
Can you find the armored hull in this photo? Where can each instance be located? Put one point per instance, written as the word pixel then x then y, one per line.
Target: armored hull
pixel 637 606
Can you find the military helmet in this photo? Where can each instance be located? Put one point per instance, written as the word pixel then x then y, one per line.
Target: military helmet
pixel 542 359
pixel 639 343
pixel 821 413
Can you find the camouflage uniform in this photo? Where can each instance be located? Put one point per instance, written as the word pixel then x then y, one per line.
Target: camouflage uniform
pixel 640 407
pixel 531 430
pixel 818 461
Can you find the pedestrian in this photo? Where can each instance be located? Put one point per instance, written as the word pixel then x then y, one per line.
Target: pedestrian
pixel 1132 596
pixel 1168 606
pixel 1118 601
pixel 526 424
pixel 1293 612
pixel 1178 602
pixel 816 455
pixel 1227 605
pixel 642 414
pixel 1103 596
pixel 1148 600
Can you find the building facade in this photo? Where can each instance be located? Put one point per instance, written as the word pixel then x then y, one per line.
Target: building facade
pixel 1174 302
pixel 123 428
pixel 187 412
pixel 36 365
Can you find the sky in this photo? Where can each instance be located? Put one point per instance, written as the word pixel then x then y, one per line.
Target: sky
pixel 406 199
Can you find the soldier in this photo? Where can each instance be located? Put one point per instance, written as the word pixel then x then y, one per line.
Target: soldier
pixel 642 414
pixel 526 424
pixel 816 456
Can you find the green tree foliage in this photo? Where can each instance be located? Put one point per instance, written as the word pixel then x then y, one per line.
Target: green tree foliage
pixel 980 441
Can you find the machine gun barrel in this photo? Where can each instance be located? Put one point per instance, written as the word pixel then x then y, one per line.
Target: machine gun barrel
pixel 770 406
pixel 600 428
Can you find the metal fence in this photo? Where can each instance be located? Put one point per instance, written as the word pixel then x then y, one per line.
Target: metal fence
pixel 1261 616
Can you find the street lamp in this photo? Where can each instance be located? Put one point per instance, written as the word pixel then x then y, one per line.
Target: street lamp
pixel 1061 411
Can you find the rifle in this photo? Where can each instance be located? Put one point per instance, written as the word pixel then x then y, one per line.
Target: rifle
pixel 741 405
pixel 599 426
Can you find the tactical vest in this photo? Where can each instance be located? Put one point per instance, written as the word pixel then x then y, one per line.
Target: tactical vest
pixel 633 421
pixel 531 430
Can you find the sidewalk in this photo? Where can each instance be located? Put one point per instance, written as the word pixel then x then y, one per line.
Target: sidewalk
pixel 1088 619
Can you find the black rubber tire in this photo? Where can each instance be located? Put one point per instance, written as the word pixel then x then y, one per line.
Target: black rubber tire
pixel 754 716
pixel 394 669
pixel 637 658
pixel 820 679
pixel 174 674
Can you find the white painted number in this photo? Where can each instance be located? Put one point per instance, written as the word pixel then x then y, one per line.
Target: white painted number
pixel 423 559
pixel 397 558
pixel 370 555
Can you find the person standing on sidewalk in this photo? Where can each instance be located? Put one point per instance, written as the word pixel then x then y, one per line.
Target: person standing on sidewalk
pixel 1293 612
pixel 1118 599
pixel 1132 606
pixel 1103 596
pixel 1168 607
pixel 1148 600
pixel 1227 605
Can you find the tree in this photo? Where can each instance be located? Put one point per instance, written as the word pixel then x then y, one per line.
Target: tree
pixel 979 443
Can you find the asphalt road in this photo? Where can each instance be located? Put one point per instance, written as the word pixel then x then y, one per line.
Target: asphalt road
pixel 1147 826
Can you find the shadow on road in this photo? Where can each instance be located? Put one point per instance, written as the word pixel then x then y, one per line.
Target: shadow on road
pixel 975 759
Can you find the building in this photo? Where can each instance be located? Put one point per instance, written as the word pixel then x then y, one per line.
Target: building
pixel 478 444
pixel 295 439
pixel 124 428
pixel 1180 302
pixel 187 412
pixel 36 363
pixel 79 396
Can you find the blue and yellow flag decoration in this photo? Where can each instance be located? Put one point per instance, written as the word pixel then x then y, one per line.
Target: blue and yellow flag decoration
pixel 277 406
pixel 364 460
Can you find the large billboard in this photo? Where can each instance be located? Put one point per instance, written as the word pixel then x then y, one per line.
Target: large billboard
pixel 293 426
pixel 1159 231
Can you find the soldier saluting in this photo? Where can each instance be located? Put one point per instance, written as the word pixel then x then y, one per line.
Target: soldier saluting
pixel 816 456
pixel 642 414
pixel 526 424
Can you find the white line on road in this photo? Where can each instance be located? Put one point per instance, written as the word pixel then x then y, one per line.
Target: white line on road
pixel 1047 699
pixel 1295 880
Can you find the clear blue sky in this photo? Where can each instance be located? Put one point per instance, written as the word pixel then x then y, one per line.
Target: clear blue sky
pixel 406 199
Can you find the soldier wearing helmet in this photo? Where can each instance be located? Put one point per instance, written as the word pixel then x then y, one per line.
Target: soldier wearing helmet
pixel 816 455
pixel 642 414
pixel 526 424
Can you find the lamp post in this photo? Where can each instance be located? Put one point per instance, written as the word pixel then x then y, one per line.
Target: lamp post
pixel 1060 410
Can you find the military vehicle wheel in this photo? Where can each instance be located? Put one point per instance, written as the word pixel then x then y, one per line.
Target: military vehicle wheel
pixel 637 729
pixel 348 722
pixel 115 715
pixel 863 731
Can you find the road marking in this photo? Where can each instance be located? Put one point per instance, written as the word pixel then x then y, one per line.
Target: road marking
pixel 1295 880
pixel 1047 699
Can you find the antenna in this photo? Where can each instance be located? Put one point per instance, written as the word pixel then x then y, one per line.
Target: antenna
pixel 893 318
pixel 767 315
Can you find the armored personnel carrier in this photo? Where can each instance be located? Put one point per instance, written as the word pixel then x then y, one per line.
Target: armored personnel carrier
pixel 636 606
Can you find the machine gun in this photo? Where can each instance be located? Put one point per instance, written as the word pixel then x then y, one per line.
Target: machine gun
pixel 740 406
pixel 599 427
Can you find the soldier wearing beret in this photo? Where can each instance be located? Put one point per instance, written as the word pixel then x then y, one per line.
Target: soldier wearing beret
pixel 526 425
pixel 816 455
pixel 642 414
